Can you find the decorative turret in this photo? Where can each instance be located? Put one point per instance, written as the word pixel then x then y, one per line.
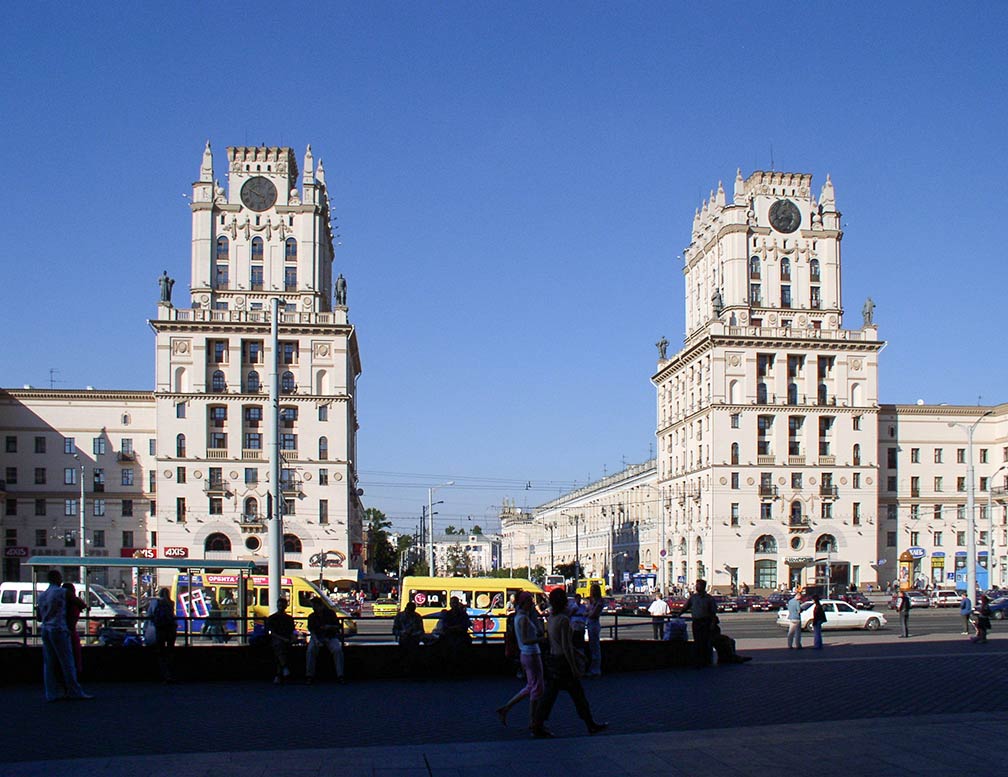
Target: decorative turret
pixel 740 190
pixel 206 169
pixel 320 173
pixel 827 197
pixel 309 167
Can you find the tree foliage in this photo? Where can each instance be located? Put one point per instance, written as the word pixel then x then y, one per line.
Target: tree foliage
pixel 382 556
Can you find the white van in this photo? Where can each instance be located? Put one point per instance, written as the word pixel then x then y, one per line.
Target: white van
pixel 17 605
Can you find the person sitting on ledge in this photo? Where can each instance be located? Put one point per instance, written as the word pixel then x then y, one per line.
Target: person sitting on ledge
pixel 724 646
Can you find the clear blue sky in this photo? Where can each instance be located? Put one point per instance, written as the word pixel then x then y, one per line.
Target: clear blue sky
pixel 513 182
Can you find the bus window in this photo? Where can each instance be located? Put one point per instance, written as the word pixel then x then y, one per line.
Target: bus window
pixel 464 596
pixel 305 598
pixel 484 600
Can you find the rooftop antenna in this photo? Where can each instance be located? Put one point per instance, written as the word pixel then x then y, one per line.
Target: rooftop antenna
pixel 52 378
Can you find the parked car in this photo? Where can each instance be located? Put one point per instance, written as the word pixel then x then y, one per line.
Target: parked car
pixel 609 605
pixel 858 599
pixel 999 608
pixel 839 615
pixel 385 608
pixel 945 599
pixel 917 599
pixel 634 604
pixel 726 604
pixel 753 603
pixel 778 600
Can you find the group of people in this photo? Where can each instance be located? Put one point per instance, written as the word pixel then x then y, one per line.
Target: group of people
pixel 325 632
pixel 59 609
pixel 553 659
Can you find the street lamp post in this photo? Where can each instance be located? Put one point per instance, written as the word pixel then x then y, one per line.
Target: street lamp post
pixel 430 516
pixel 970 506
pixel 990 523
pixel 83 544
pixel 576 520
pixel 550 527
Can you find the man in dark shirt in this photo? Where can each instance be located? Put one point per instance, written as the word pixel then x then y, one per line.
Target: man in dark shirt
pixel 703 610
pixel 280 627
pixel 326 632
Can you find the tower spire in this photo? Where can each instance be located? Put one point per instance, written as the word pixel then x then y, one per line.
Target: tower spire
pixel 206 168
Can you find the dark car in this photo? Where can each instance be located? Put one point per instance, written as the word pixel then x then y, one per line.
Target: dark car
pixel 610 605
pixel 752 603
pixel 999 608
pixel 858 599
pixel 778 601
pixel 726 604
pixel 635 604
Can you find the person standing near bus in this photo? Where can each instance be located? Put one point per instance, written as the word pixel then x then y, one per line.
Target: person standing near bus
pixel 326 632
pixel 75 606
pixel 60 673
pixel 162 614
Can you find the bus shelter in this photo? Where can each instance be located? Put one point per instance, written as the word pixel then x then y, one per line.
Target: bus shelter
pixel 184 567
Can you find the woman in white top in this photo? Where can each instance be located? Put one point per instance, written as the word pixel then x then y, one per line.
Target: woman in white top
pixel 529 631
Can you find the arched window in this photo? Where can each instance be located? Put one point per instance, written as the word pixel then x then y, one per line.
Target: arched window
pixel 290 250
pixel 785 269
pixel 292 543
pixel 222 249
pixel 856 457
pixel 734 453
pixel 218 543
pixel 855 394
pixel 253 382
pixel 754 267
pixel 257 249
pixel 251 509
pixel 287 383
pixel 796 512
pixel 699 546
pixel 180 446
pixel 814 271
pixel 792 393
pixel 761 393
pixel 217 382
pixel 323 448
pixel 765 544
pixel 733 392
pixel 826 544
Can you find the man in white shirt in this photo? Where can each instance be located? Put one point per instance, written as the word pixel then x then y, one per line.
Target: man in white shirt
pixel 659 610
pixel 794 621
pixel 60 669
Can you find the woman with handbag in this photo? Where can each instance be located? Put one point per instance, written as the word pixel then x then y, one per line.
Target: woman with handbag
pixel 564 666
pixel 981 619
pixel 818 619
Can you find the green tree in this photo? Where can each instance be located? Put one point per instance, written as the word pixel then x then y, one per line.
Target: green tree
pixel 382 557
pixel 450 529
pixel 459 561
pixel 477 529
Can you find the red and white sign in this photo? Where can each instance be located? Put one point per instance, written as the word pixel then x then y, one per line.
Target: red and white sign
pixel 139 553
pixel 16 551
pixel 176 551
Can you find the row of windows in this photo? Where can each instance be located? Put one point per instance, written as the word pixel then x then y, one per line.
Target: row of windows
pixel 69 538
pixel 70 477
pixel 221 543
pixel 222 278
pixel 99 445
pixel 251 441
pixel 756 270
pixel 892 484
pixel 99 507
pixel 252 351
pixel 939 455
pixel 253 384
pixel 937 539
pixel 224 249
pixel 215 475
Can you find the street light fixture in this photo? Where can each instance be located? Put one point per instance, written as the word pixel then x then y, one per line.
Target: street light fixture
pixel 990 524
pixel 83 544
pixel 550 527
pixel 970 506
pixel 430 517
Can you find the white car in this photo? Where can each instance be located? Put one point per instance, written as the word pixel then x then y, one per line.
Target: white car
pixel 946 599
pixel 839 615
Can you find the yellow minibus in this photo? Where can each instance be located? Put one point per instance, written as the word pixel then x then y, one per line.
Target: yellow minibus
pixel 485 599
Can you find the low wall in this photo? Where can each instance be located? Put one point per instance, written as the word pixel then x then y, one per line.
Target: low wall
pixel 202 663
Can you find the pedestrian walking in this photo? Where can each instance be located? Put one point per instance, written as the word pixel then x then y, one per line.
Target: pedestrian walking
pixel 659 610
pixel 794 621
pixel 280 627
pixel 562 670
pixel 595 607
pixel 965 610
pixel 904 614
pixel 326 631
pixel 530 635
pixel 703 611
pixel 982 621
pixel 818 619
pixel 161 613
pixel 59 670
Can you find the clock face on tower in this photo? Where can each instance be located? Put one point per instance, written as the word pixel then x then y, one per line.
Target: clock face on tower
pixel 258 193
pixel 784 216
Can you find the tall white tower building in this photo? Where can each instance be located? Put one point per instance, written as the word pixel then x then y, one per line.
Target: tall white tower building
pixel 263 237
pixel 767 417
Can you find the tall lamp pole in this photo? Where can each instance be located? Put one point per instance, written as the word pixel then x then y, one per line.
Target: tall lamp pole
pixel 430 517
pixel 970 506
pixel 551 527
pixel 990 523
pixel 576 520
pixel 83 544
